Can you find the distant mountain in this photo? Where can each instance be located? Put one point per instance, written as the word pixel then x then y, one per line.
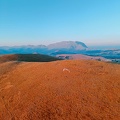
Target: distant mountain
pixel 25 49
pixel 65 47
pixel 68 45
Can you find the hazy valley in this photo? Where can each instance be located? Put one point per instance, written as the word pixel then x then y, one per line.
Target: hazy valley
pixel 64 47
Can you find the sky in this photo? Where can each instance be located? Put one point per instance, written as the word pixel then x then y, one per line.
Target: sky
pixel 33 22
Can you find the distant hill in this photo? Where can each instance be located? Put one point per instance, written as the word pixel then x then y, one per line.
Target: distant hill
pixel 25 49
pixel 28 58
pixel 80 57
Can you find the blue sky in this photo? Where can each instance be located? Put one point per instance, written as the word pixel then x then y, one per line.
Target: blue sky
pixel 94 22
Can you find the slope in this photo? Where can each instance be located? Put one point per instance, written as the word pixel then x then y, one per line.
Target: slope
pixel 27 58
pixel 60 90
pixel 81 57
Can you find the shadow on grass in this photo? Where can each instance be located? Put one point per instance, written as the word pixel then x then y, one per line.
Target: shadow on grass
pixel 28 58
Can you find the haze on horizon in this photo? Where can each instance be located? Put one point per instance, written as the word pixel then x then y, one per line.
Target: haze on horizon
pixel 35 22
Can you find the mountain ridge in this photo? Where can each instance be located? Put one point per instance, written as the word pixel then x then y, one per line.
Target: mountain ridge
pixel 70 45
pixel 77 45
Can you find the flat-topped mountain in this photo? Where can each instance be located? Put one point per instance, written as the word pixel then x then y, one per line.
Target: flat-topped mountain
pixel 69 45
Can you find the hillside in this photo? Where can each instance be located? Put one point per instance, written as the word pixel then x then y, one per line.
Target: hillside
pixel 28 58
pixel 59 90
pixel 81 57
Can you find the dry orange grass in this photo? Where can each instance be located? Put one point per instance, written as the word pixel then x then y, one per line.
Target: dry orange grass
pixel 44 91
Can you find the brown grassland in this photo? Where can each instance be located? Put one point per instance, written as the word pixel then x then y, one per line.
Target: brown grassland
pixel 59 90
